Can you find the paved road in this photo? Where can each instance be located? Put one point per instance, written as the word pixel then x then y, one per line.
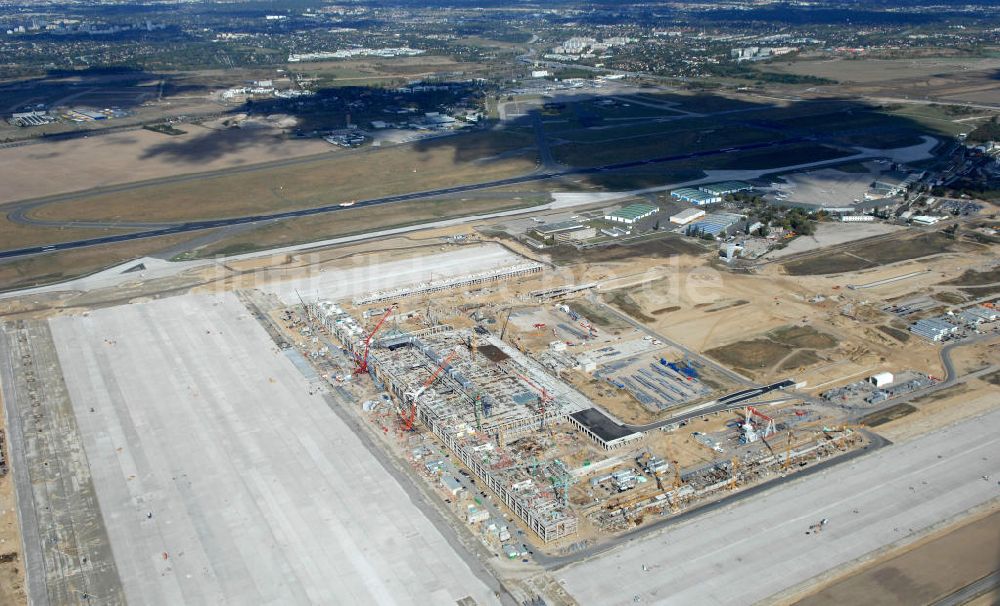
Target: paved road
pixel 732 401
pixel 548 161
pixel 194 226
pixel 32 558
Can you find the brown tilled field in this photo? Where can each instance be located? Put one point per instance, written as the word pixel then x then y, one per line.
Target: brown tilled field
pixel 924 573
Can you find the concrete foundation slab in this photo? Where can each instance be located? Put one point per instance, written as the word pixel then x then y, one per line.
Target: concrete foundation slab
pixel 336 284
pixel 223 481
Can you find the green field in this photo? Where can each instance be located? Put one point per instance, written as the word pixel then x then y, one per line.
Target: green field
pixel 699 103
pixel 787 155
pixel 615 150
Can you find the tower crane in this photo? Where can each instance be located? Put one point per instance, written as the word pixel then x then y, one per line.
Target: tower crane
pixel 734 468
pixel 788 451
pixel 361 362
pixel 546 397
pixel 503 331
pixel 410 416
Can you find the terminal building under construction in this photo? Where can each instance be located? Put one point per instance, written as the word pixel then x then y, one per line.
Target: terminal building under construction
pixel 475 393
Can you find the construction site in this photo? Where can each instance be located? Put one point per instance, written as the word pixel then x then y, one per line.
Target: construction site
pixel 505 388
pixel 396 402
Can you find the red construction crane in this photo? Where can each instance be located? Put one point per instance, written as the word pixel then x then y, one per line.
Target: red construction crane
pixel 410 416
pixel 361 362
pixel 768 422
pixel 541 390
pixel 546 397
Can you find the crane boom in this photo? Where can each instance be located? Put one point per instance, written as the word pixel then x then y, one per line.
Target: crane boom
pixel 361 362
pixel 546 397
pixel 411 416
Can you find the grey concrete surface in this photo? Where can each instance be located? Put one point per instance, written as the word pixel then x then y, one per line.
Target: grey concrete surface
pixel 66 552
pixel 757 548
pixel 342 283
pixel 223 481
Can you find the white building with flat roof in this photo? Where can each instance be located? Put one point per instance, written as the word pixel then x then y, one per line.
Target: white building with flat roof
pixel 687 215
pixel 881 379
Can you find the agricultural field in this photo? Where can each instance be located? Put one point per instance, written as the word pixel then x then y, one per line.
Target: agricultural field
pixel 878 71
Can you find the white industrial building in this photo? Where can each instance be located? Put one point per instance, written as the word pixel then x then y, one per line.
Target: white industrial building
pixel 924 220
pixel 881 379
pixel 631 214
pixel 857 218
pixel 687 215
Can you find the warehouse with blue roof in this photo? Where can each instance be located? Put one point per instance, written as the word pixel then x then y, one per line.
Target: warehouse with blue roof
pixel 714 224
pixel 695 196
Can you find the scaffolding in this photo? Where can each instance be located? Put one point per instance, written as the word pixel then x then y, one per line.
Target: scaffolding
pixel 478 402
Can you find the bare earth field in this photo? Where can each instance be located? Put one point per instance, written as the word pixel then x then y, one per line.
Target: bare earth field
pixel 225 479
pixel 866 255
pixel 137 155
pixel 11 567
pixel 707 309
pixel 923 574
pixel 831 233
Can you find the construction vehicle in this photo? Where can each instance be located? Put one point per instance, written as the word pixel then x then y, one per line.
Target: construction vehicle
pixel 818 526
pixel 409 416
pixel 361 362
